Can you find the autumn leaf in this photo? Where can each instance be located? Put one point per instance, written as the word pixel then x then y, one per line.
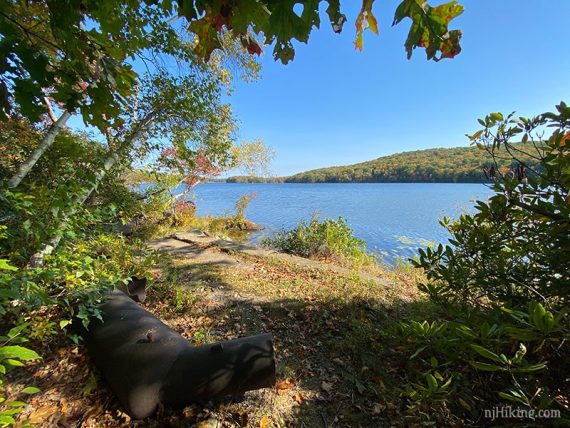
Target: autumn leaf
pixel 264 422
pixel 365 20
pixel 298 398
pixel 283 385
pixel 327 386
pixel 429 28
pixel 40 415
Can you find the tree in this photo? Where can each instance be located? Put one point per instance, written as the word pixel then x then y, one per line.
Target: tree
pixel 82 50
pixel 184 110
pixel 77 54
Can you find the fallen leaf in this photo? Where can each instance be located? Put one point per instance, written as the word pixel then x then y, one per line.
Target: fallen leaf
pixel 284 384
pixel 326 386
pixel 378 408
pixel 264 422
pixel 298 398
pixel 42 414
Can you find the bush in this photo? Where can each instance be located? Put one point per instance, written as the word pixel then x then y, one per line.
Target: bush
pixel 515 247
pixel 503 283
pixel 327 239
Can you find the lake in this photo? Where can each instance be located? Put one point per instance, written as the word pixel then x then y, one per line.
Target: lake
pixel 393 219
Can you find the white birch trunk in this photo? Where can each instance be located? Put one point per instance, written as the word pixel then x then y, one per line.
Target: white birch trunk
pixel 37 260
pixel 46 142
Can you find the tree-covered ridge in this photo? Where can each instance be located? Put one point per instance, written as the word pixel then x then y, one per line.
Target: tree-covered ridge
pixel 442 165
pixel 249 179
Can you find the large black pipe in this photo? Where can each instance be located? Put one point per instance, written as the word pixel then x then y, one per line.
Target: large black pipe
pixel 146 362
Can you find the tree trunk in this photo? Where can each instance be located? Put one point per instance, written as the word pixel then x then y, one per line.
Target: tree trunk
pixel 46 142
pixel 37 260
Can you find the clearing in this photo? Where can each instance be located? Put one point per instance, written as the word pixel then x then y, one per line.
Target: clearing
pixel 335 366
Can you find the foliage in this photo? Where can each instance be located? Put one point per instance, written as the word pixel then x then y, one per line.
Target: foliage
pixel 79 51
pixel 485 351
pixel 18 139
pixel 12 354
pixel 322 239
pixel 42 303
pixel 73 281
pixel 253 157
pixel 234 226
pixel 455 165
pixel 515 247
pixel 242 203
pixel 49 46
pixel 502 282
pixel 253 179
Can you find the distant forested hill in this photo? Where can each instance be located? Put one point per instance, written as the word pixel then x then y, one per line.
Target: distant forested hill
pixel 249 179
pixel 449 165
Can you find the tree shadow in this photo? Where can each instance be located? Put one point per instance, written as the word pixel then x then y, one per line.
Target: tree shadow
pixel 336 363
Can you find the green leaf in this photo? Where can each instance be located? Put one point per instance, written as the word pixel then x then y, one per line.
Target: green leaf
pixel 17 330
pixel 19 352
pixel 530 368
pixel 64 323
pixel 515 397
pixel 431 382
pixel 30 390
pixel 486 353
pixel 433 362
pixel 485 367
pixel 4 265
pixel 6 420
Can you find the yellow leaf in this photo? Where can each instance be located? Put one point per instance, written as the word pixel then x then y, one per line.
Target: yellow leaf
pixel 42 414
pixel 298 398
pixel 264 422
pixel 476 135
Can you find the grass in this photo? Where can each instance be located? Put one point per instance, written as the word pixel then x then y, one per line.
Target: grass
pixel 336 364
pixel 329 329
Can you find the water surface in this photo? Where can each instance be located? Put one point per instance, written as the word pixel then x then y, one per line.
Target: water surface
pixel 393 219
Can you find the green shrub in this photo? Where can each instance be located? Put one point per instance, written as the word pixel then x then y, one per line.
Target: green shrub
pixel 503 283
pixel 40 303
pixel 327 239
pixel 515 247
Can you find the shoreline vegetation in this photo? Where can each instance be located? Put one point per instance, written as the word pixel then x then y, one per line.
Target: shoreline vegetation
pixel 327 308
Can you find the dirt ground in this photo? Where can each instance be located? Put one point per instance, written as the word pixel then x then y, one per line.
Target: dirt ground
pixel 333 368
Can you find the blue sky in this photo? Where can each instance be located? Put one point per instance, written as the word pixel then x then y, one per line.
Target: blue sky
pixel 333 105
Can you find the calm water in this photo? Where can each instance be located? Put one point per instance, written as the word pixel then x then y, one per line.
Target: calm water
pixel 393 219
